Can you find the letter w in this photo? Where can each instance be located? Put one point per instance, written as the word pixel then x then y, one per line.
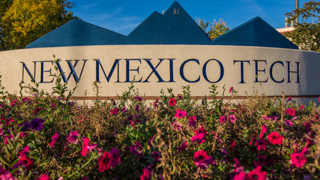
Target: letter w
pixel 73 72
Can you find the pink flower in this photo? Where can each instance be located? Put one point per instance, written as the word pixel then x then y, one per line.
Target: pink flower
pixel 288 123
pixel 115 157
pixel 91 147
pixel 222 119
pixel 263 130
pixel 253 139
pixel 291 111
pixel 14 102
pixel 44 177
pixel 179 96
pixel 232 118
pixel 230 90
pixel 10 137
pixel 199 138
pixel 138 98
pixel 54 139
pixel 298 159
pixel 155 155
pixel 202 160
pixel 146 174
pixel 240 176
pixel 192 121
pixel 176 126
pixel 114 111
pixel 24 161
pixel 180 113
pixel 200 130
pixel 6 175
pixel 84 146
pixel 172 102
pixel 155 103
pixel 261 144
pixel 289 98
pixel 104 162
pixel 319 99
pixel 302 107
pixel 257 174
pixel 275 138
pixel 136 149
pixel 25 151
pixel 233 145
pixel 183 147
pixel 73 137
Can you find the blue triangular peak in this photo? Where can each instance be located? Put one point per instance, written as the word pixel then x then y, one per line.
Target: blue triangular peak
pixel 255 32
pixel 175 26
pixel 78 33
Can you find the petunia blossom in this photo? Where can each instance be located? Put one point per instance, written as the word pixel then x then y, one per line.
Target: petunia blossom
pixel 192 121
pixel 288 123
pixel 275 138
pixel 298 159
pixel 114 111
pixel 199 138
pixel 222 119
pixel 104 162
pixel 232 118
pixel 257 174
pixel 136 149
pixel 253 139
pixel 176 126
pixel 44 177
pixel 37 124
pixel 84 146
pixel 6 175
pixel 180 113
pixel 115 157
pixel 290 111
pixel 231 89
pixel 240 176
pixel 263 130
pixel 172 102
pixel 146 174
pixel 183 147
pixel 54 139
pixel 202 160
pixel 155 155
pixel 73 137
pixel 261 144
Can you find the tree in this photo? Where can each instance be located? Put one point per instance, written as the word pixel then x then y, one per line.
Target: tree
pixel 217 28
pixel 306 34
pixel 24 21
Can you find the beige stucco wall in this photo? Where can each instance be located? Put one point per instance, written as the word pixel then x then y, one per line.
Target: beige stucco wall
pixel 11 68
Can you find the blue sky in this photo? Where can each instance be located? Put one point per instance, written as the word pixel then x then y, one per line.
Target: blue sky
pixel 123 16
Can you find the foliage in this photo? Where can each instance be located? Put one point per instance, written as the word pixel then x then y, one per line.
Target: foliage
pixel 24 21
pixel 175 138
pixel 217 28
pixel 306 34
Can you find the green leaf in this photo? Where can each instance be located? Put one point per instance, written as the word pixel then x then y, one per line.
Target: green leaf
pixel 4 160
pixel 13 163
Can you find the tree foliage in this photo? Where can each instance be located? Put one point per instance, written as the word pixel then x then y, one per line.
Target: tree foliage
pixel 23 21
pixel 216 29
pixel 306 34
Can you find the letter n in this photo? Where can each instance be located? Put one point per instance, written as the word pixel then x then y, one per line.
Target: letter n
pixel 24 67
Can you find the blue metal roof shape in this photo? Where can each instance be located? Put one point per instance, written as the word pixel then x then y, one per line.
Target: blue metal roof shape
pixel 175 26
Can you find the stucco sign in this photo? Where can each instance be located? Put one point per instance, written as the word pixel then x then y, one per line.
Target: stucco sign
pixel 166 50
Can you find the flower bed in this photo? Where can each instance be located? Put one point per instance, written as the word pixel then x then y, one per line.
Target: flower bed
pixel 50 137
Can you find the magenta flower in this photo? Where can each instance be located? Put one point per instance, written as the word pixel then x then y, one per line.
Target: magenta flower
pixel 180 113
pixel 288 123
pixel 262 161
pixel 25 151
pixel 155 103
pixel 224 152
pixel 257 174
pixel 183 147
pixel 302 107
pixel 44 177
pixel 91 147
pixel 136 149
pixel 289 98
pixel 253 139
pixel 237 166
pixel 115 157
pixel 137 98
pixel 192 121
pixel 232 118
pixel 233 145
pixel 202 160
pixel 200 131
pixel 84 146
pixel 298 159
pixel 176 126
pixel 54 139
pixel 10 137
pixel 73 137
pixel 172 102
pixel 231 89
pixel 37 124
pixel 104 162
pixel 263 130
pixel 199 138
pixel 6 175
pixel 114 111
pixel 261 144
pixel 275 138
pixel 155 155
pixel 290 111
pixel 222 119
pixel 240 176
pixel 146 174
